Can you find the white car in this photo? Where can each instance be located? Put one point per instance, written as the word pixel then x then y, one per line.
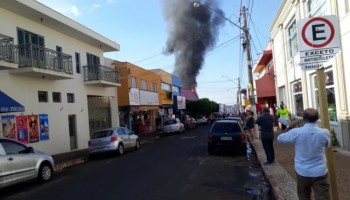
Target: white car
pixel 173 126
pixel 202 120
pixel 19 162
pixel 115 139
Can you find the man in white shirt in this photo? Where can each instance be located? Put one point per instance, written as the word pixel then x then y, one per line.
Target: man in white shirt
pixel 310 143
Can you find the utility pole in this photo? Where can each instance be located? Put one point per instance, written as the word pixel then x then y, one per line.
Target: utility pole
pixel 246 46
pixel 239 96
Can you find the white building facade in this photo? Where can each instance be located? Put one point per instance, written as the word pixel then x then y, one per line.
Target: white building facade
pixel 55 68
pixel 297 88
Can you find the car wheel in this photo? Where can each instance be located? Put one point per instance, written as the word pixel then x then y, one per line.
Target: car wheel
pixel 120 149
pixel 138 145
pixel 45 172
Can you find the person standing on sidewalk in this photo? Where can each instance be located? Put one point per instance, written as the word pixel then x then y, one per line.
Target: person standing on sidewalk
pixel 285 113
pixel 310 161
pixel 266 122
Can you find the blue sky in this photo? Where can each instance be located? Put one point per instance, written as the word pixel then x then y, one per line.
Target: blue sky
pixel 141 30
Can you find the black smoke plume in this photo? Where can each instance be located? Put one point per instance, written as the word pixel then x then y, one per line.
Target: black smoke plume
pixel 193 32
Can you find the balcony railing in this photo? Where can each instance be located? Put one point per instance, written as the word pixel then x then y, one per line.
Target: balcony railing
pixel 6 48
pixel 29 55
pixel 100 73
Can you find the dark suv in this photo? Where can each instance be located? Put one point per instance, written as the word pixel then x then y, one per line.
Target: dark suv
pixel 226 135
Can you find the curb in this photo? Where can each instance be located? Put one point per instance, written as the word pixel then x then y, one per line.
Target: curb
pixel 69 163
pixel 283 185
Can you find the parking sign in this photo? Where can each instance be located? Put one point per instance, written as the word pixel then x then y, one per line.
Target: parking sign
pixel 318 40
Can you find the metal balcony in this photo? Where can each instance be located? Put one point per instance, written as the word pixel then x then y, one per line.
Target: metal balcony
pixel 100 75
pixel 7 59
pixel 40 62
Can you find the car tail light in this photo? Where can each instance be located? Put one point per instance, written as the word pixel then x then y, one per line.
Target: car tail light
pixel 113 139
pixel 243 137
pixel 210 136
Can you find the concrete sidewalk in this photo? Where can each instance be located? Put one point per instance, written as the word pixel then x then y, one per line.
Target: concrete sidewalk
pixel 281 174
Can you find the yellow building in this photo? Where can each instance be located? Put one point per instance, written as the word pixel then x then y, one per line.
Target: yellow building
pixel 139 97
pixel 166 100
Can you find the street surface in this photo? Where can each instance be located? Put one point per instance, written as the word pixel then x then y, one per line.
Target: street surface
pixel 171 167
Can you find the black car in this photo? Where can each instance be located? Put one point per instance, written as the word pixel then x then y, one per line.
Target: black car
pixel 226 135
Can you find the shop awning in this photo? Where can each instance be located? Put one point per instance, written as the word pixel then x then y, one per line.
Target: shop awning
pixel 7 104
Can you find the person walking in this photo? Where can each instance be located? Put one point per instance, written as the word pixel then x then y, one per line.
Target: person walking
pixel 310 161
pixel 265 122
pixel 250 121
pixel 283 112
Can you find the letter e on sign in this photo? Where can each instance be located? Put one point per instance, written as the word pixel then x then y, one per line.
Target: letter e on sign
pixel 318 33
pixel 315 35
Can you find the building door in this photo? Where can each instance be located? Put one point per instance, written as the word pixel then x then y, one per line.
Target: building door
pixel 99 113
pixel 72 132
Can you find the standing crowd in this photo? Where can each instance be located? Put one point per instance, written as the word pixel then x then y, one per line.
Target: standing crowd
pixel 310 141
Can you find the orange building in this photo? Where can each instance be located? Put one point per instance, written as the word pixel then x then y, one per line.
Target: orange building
pixel 139 97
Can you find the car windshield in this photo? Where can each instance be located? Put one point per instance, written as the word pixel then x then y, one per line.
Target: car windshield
pixel 102 134
pixel 169 122
pixel 226 128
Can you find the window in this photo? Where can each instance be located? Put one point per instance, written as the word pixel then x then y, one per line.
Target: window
pixel 165 86
pixel 56 97
pixel 332 108
pixel 282 94
pixel 70 98
pixel 77 62
pixel 292 39
pixel 143 85
pixel 297 95
pixel 42 96
pixel 26 37
pixel 176 89
pixel 11 147
pixel 133 82
pixel 92 59
pixel 154 87
pixel 316 8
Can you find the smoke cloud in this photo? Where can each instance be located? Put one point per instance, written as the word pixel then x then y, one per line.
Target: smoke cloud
pixel 193 32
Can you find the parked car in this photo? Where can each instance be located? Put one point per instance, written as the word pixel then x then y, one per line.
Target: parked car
pixel 226 135
pixel 202 120
pixel 19 162
pixel 173 126
pixel 188 122
pixel 116 139
pixel 237 119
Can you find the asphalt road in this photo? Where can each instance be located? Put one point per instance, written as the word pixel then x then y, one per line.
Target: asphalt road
pixel 172 167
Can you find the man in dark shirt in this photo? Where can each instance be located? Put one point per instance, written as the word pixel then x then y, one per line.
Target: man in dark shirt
pixel 265 121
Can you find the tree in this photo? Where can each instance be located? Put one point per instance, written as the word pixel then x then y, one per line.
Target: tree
pixel 201 107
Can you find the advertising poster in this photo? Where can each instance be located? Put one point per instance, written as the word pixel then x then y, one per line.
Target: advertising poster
pixel 22 129
pixel 9 126
pixel 33 128
pixel 44 126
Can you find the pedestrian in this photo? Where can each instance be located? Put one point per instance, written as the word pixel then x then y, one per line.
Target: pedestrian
pixel 283 112
pixel 310 161
pixel 250 121
pixel 265 122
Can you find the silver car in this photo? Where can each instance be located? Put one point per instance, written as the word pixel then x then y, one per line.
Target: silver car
pixel 113 140
pixel 19 162
pixel 173 126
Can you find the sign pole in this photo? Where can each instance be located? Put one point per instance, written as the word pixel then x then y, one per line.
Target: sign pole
pixel 322 97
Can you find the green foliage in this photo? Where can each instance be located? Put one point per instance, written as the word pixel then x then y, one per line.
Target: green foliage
pixel 334 138
pixel 202 107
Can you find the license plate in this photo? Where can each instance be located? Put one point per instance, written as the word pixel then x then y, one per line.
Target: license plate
pixel 226 138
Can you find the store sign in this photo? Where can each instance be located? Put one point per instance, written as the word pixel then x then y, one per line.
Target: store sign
pixel 318 40
pixel 181 103
pixel 134 96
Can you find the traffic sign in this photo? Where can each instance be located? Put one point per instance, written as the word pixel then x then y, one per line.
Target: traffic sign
pixel 318 40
